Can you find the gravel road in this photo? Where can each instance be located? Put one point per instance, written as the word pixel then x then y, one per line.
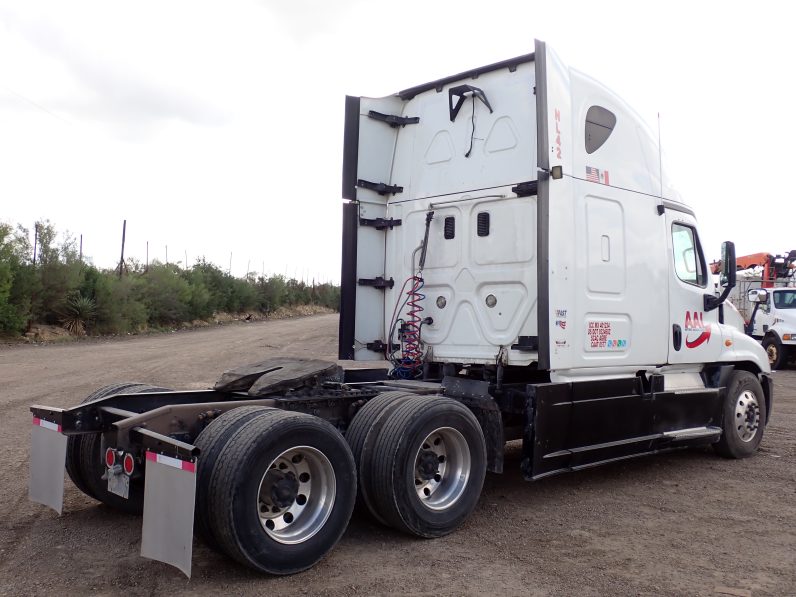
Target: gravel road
pixel 688 523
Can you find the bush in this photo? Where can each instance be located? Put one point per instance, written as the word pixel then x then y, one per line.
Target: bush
pixel 78 313
pixel 16 282
pixel 167 296
pixel 61 289
pixel 119 311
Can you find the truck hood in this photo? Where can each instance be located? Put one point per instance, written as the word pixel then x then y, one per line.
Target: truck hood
pixel 740 347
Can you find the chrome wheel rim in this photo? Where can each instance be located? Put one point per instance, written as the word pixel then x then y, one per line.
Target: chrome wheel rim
pixel 442 468
pixel 771 351
pixel 747 415
pixel 296 495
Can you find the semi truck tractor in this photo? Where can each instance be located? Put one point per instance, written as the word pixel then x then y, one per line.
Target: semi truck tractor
pixel 515 266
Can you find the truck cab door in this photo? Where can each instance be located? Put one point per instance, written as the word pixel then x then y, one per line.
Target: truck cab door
pixel 764 318
pixel 695 336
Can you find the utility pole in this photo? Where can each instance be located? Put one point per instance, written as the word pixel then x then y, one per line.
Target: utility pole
pixel 35 240
pixel 121 260
pixel 81 248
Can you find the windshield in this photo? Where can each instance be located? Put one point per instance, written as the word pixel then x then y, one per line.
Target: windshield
pixel 785 299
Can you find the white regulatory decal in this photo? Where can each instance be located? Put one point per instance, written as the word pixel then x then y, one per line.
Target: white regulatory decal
pixel 46 424
pixel 172 462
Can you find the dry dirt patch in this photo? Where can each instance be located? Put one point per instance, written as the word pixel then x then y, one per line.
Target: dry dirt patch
pixel 687 523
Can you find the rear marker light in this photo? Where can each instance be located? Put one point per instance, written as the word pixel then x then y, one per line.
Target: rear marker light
pixel 110 457
pixel 129 464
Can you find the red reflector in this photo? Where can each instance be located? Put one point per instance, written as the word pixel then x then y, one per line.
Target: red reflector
pixel 129 464
pixel 110 457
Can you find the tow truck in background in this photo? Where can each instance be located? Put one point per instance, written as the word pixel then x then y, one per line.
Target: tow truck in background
pixel 765 296
pixel 510 250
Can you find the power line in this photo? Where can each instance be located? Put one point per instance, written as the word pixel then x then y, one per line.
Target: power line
pixel 36 105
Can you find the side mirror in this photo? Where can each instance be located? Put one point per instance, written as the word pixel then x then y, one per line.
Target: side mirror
pixel 728 265
pixel 726 278
pixel 757 295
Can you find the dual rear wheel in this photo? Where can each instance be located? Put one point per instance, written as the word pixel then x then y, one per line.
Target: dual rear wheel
pixel 275 489
pixel 421 462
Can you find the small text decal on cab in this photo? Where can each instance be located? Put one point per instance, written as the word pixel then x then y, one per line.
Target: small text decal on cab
pixel 694 323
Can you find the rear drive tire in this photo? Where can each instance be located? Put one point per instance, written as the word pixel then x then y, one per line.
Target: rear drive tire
pixel 777 356
pixel 744 415
pixel 91 460
pixel 427 466
pixel 74 442
pixel 282 491
pixel 365 424
pixel 210 442
pixel 363 420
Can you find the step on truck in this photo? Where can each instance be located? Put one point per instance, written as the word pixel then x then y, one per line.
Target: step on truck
pixel 515 254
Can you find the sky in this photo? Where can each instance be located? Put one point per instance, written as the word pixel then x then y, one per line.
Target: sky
pixel 215 128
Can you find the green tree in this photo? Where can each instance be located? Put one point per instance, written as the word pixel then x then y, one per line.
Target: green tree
pixel 16 280
pixel 165 293
pixel 119 310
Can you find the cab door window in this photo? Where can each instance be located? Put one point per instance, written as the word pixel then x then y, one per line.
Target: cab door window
pixel 689 264
pixel 785 299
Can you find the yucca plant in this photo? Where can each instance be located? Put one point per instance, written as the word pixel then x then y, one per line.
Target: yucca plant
pixel 77 313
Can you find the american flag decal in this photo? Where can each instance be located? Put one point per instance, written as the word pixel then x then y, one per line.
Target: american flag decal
pixel 596 175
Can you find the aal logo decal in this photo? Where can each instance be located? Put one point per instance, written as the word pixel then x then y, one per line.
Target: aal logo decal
pixel 699 333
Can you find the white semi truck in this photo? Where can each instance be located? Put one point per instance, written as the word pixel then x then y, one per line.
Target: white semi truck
pixel 513 249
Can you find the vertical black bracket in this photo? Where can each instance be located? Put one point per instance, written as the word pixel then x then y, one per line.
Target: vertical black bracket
pixel 461 91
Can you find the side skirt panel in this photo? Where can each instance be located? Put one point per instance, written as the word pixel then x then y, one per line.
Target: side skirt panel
pixel 571 426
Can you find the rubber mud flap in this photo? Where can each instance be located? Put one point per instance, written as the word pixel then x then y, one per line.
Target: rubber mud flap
pixel 169 496
pixel 47 458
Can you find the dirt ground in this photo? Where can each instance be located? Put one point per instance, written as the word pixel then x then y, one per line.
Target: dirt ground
pixel 688 523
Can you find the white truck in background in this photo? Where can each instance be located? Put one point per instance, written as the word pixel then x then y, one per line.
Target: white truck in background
pixel 773 322
pixel 511 247
pixel 765 300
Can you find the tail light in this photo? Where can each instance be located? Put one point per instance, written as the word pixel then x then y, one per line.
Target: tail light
pixel 110 457
pixel 128 464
